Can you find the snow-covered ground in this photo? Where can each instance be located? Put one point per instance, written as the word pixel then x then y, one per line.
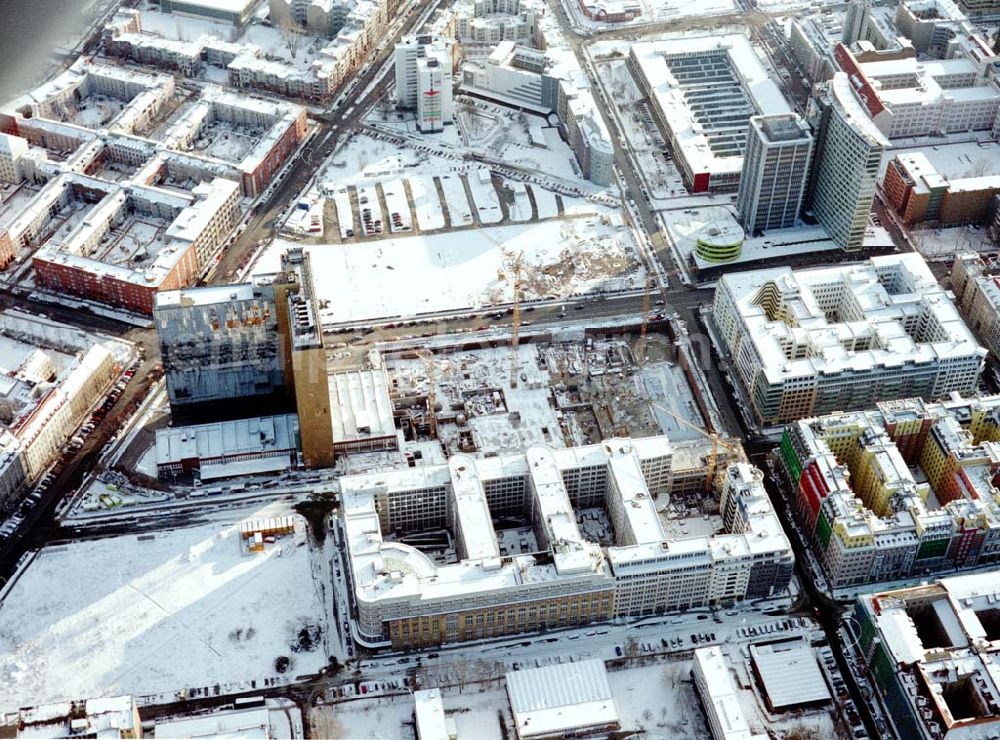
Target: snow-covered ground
pixel 363 158
pixel 940 245
pixel 657 699
pixel 644 141
pixel 371 210
pixel 456 200
pixel 520 210
pixel 545 201
pixel 485 196
pixel 426 203
pixel 653 11
pixel 296 48
pixel 345 214
pixel 160 612
pixel 469 269
pixel 398 205
pixel 391 718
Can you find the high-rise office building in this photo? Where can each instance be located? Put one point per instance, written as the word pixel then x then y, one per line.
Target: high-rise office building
pixel 856 20
pixel 434 106
pixel 847 165
pixel 408 78
pixel 775 172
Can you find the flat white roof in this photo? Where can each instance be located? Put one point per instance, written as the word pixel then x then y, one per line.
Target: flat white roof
pixel 229 6
pixel 430 716
pixel 790 675
pixel 227 438
pixel 722 700
pixel 877 299
pixel 253 724
pixel 474 522
pixel 360 406
pixel 670 97
pixel 560 698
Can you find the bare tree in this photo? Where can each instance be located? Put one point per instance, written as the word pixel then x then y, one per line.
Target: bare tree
pixel 291 35
pixel 461 672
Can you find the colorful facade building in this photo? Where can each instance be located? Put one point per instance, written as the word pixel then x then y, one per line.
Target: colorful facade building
pixel 930 653
pixel 907 489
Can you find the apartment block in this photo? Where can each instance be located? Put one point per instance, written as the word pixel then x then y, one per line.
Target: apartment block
pixel 813 341
pixel 977 295
pixel 489 22
pixel 423 68
pixel 904 490
pixel 930 653
pixel 919 193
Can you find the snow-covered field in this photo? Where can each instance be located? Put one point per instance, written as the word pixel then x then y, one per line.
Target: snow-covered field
pixel 456 200
pixel 485 195
pixel 470 269
pixel 396 202
pixel 426 203
pixel 941 244
pixel 156 613
pixel 545 201
pixel 521 208
pixel 345 217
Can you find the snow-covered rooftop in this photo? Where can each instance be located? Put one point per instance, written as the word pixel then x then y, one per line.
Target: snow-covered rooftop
pixel 557 699
pixel 790 674
pixel 698 85
pixel 846 317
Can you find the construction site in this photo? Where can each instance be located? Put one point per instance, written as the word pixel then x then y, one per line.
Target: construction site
pixel 492 393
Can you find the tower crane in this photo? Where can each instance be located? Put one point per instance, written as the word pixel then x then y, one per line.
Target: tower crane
pixel 713 458
pixel 515 321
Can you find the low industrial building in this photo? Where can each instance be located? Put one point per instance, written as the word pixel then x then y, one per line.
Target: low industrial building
pixel 111 718
pixel 931 655
pixel 430 720
pixel 907 489
pixel 361 412
pixel 404 597
pixel 224 449
pixel 789 676
pixel 812 341
pixel 703 92
pixel 565 700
